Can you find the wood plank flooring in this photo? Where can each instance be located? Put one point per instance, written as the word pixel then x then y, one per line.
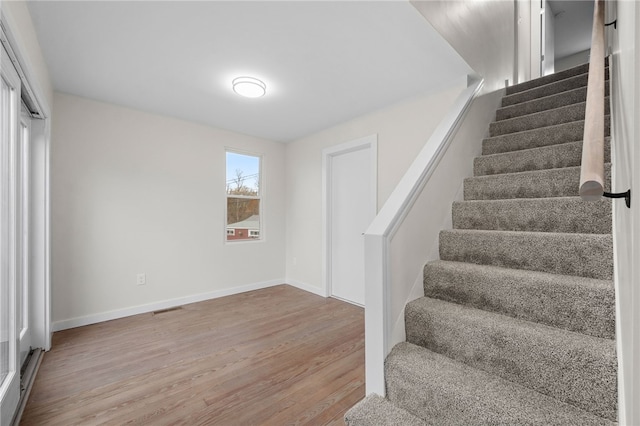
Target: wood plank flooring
pixel 275 356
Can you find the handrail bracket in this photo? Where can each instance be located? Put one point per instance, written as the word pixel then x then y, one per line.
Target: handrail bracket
pixel 625 195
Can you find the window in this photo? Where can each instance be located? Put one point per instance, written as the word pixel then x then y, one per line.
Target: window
pixel 244 197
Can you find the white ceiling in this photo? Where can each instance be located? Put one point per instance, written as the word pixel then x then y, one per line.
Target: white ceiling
pixel 323 62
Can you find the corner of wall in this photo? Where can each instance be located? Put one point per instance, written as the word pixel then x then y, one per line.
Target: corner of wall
pixel 307 287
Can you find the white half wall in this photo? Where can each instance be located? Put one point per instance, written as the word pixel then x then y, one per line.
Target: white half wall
pixel 134 192
pixel 402 131
pixel 416 241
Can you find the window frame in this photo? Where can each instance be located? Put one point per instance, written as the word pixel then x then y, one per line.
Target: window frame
pixel 260 197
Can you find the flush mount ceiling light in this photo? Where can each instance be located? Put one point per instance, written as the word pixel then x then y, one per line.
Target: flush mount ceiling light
pixel 249 87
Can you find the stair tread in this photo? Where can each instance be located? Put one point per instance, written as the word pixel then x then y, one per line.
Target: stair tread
pixel 556 214
pixel 452 393
pixel 550 135
pixel 379 411
pixel 584 305
pixel 536 120
pixel 568 154
pixel 560 182
pixel 554 87
pixel 573 367
pixel 562 75
pixel 585 255
pixel 545 103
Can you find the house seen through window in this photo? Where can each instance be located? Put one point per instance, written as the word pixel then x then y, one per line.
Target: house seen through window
pixel 243 197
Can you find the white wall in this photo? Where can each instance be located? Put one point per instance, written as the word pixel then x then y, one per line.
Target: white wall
pixel 625 97
pixel 134 192
pixel 482 32
pixel 572 60
pixel 402 131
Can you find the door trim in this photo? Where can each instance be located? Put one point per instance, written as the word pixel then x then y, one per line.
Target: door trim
pixel 368 142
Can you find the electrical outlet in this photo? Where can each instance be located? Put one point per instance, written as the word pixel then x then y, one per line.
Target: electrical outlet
pixel 141 279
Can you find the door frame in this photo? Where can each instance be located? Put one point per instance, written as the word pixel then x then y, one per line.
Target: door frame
pixel 537 32
pixel 328 154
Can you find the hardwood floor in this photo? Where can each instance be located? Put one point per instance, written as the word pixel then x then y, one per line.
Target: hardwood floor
pixel 276 356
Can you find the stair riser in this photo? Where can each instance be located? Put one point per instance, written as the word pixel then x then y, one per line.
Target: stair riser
pixel 563 214
pixel 547 79
pixel 575 304
pixel 549 89
pixel 448 393
pixel 375 410
pixel 571 367
pixel 548 157
pixel 563 182
pixel 549 102
pixel 552 117
pixel 536 138
pixel 583 255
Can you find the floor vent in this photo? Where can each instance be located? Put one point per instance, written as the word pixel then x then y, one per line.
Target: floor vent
pixel 164 311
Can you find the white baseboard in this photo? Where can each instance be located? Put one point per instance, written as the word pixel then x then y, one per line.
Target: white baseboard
pixel 165 304
pixel 306 287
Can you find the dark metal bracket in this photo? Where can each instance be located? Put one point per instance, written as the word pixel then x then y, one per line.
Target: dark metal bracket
pixel 614 23
pixel 625 195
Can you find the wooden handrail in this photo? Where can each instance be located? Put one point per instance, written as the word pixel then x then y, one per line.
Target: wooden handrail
pixel 592 169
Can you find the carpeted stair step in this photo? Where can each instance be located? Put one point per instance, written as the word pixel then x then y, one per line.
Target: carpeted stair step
pixel 569 97
pixel 375 410
pixel 578 304
pixel 562 75
pixel 549 89
pixel 563 182
pixel 545 136
pixel 583 255
pixel 546 157
pixel 537 120
pixel 435 387
pixel 560 214
pixel 572 367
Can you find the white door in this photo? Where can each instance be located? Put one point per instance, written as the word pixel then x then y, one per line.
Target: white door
pixel 9 134
pixel 351 206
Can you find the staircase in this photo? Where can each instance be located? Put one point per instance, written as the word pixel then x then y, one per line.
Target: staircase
pixel 517 325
